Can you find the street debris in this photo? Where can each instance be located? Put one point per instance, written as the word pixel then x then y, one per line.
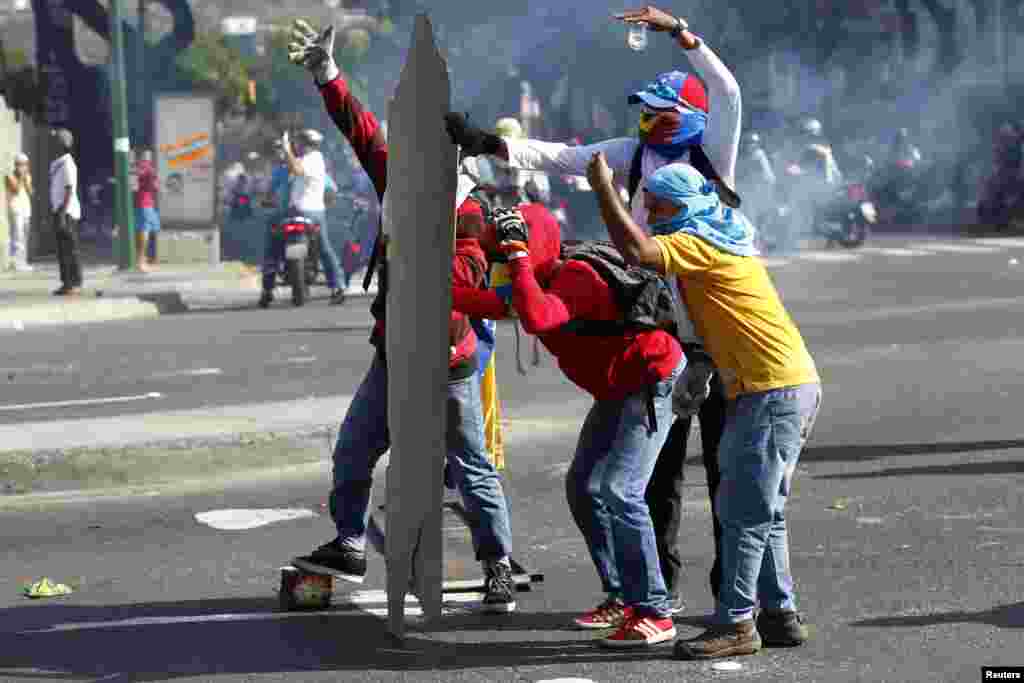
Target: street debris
pixel 44 588
pixel 838 504
pixel 726 666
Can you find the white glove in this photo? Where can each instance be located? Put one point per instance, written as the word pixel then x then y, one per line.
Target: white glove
pixel 693 386
pixel 285 141
pixel 313 51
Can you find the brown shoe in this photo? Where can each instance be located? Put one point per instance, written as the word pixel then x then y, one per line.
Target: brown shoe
pixel 61 291
pixel 722 640
pixel 782 628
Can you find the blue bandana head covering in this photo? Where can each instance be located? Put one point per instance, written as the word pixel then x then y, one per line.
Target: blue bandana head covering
pixel 702 213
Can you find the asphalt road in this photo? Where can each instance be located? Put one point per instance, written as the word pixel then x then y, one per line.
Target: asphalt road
pixel 850 306
pixel 907 521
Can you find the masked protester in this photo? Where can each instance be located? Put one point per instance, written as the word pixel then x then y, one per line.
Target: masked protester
pixel 771 383
pixel 574 307
pixel 363 436
pixel 680 121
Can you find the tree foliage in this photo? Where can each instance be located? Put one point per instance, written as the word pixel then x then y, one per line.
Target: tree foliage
pixel 211 64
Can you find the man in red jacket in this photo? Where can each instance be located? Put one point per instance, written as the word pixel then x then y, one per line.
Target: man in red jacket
pixel 630 375
pixel 364 436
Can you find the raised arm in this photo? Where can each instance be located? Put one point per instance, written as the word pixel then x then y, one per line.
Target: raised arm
pixel 361 128
pixel 534 155
pixel 315 51
pixel 722 135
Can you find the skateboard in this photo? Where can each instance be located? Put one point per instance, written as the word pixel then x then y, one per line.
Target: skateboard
pixel 302 589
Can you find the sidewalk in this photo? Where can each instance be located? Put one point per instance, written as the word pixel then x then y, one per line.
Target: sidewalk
pixel 26 299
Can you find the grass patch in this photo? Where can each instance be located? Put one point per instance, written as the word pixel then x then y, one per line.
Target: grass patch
pixel 24 472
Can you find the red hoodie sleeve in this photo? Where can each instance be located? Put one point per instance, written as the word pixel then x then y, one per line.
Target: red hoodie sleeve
pixel 479 303
pixel 361 128
pixel 541 311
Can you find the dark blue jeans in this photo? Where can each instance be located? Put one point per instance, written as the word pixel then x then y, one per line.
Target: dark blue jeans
pixel 364 437
pixel 605 487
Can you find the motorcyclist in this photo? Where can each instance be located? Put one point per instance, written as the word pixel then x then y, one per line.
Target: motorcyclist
pixel 1002 191
pixel 755 166
pixel 309 185
pixel 815 149
pixel 904 153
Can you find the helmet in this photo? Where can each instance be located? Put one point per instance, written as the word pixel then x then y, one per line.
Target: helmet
pixel 811 126
pixel 312 137
pixel 508 127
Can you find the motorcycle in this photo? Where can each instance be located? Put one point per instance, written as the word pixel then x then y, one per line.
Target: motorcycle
pixel 848 218
pixel 901 190
pixel 842 215
pixel 301 262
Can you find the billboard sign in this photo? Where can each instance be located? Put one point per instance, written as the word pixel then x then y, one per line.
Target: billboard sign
pixel 186 160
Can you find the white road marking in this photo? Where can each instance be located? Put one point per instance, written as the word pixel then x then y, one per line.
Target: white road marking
pixel 301 359
pixel 42 368
pixel 827 256
pixel 1005 242
pixel 195 372
pixel 961 248
pixel 239 520
pixel 895 251
pixel 774 262
pixel 81 402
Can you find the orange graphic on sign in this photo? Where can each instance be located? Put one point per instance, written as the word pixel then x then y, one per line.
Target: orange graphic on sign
pixel 187 150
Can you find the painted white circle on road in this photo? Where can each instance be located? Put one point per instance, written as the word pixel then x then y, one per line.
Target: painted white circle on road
pixel 239 520
pixel 726 666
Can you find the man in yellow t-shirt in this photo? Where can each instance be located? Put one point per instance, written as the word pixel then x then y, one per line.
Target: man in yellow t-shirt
pixel 771 382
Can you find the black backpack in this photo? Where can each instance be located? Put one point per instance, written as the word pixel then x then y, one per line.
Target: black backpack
pixel 699 160
pixel 643 296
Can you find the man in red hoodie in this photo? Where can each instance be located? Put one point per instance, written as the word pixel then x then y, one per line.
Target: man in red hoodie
pixel 630 374
pixel 364 436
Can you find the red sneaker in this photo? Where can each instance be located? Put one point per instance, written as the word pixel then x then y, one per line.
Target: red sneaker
pixel 638 631
pixel 609 614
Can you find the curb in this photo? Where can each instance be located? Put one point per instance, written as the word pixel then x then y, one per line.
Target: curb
pixel 68 313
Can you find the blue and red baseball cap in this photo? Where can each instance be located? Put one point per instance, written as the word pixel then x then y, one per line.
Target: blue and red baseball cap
pixel 673 90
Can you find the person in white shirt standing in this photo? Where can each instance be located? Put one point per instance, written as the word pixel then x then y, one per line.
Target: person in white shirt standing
pixel 66 211
pixel 19 206
pixel 309 171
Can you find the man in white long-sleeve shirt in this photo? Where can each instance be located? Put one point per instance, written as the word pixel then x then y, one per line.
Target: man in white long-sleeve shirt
pixel 683 119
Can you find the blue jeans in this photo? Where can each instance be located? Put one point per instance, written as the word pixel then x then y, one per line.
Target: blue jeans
pixel 274 251
pixel 364 437
pixel 605 488
pixel 764 434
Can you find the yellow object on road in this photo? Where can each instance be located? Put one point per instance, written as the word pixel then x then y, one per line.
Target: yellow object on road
pixel 492 416
pixel 44 588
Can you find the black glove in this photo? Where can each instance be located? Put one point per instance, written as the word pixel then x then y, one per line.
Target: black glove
pixel 471 139
pixel 510 226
